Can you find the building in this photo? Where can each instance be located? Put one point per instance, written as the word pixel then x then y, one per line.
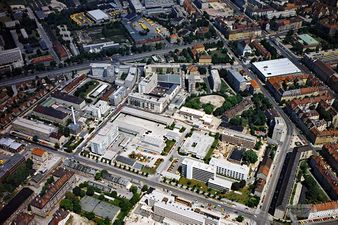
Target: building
pixel 220 184
pixel 198 144
pixel 288 87
pixel 189 7
pixel 307 41
pixel 275 67
pixel 42 205
pixel 9 165
pixel 236 80
pixel 245 104
pixel 98 16
pixel 216 80
pixel 117 97
pixel 193 169
pixel 51 114
pixel 24 219
pixel 324 210
pixel 104 138
pixel 278 129
pixel 103 71
pixel 99 110
pixel 286 24
pixel 33 128
pixel 60 217
pixel 238 138
pixel 261 49
pixel 98 47
pixel 39 155
pixel 68 100
pixel 11 58
pixel 330 153
pixel 243 48
pixel 205 59
pixel 229 169
pixel 327 178
pixel 11 145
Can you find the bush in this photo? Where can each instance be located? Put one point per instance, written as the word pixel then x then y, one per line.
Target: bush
pixel 239 218
pixel 250 156
pixel 90 191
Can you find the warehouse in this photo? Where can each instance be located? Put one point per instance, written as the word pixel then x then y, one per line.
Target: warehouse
pixel 51 114
pixel 275 67
pixel 98 16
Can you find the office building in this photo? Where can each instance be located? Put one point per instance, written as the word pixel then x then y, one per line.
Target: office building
pixel 33 128
pixel 147 84
pixel 98 47
pixel 118 96
pixel 220 184
pixel 103 71
pixel 230 169
pixel 275 67
pixel 236 80
pixel 68 100
pixel 198 144
pixel 104 138
pixel 194 169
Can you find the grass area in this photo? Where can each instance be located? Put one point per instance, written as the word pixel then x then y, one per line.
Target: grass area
pixel 72 144
pixel 85 89
pixel 193 183
pixel 212 148
pixel 152 170
pixel 314 193
pixel 195 103
pixel 244 198
pixel 168 146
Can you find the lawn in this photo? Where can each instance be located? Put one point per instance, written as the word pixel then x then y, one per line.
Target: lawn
pixel 168 146
pixel 152 170
pixel 85 89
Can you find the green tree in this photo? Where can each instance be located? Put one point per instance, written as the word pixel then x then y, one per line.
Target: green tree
pixel 144 188
pixel 77 191
pixel 66 204
pixel 90 191
pixel 250 156
pixel 239 218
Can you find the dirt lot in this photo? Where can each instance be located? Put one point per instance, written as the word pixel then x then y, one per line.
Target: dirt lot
pixel 214 100
pixel 75 219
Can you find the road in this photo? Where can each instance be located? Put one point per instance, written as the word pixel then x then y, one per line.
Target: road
pixel 86 65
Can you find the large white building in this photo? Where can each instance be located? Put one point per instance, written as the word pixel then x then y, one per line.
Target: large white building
pixel 99 110
pixel 104 138
pixel 229 169
pixel 279 129
pixel 198 144
pixel 118 96
pixel 216 80
pixel 275 67
pixel 194 169
pixel 102 71
pixel 11 58
pixel 98 16
pixel 147 84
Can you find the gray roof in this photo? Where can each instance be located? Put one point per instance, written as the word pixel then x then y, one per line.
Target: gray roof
pixel 125 160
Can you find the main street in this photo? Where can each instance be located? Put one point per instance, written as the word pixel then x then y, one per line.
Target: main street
pixel 86 65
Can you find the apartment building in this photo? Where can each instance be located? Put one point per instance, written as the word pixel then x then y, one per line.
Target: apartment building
pixel 236 80
pixel 68 100
pixel 330 153
pixel 42 205
pixel 104 138
pixel 230 169
pixel 238 138
pixel 193 169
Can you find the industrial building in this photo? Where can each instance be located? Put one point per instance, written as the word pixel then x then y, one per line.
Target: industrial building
pixel 98 16
pixel 68 100
pixel 230 169
pixel 10 59
pixel 198 144
pixel 104 138
pixel 33 128
pixel 194 169
pixel 275 67
pixel 236 80
pixel 51 114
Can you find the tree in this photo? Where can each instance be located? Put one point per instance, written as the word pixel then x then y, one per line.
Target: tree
pixel 113 194
pixel 250 156
pixel 144 188
pixel 90 191
pixel 239 218
pixel 133 189
pixel 98 176
pixel 66 204
pixel 77 191
pixel 35 138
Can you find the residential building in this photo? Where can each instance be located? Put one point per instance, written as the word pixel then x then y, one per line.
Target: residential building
pixel 244 105
pixel 42 205
pixel 51 114
pixel 243 48
pixel 24 219
pixel 216 82
pixel 238 138
pixel 327 178
pixel 103 71
pixel 10 164
pixel 104 138
pixel 194 169
pixel 60 217
pixel 68 100
pixel 39 155
pixel 229 169
pixel 286 24
pixel 324 210
pixel 236 80
pixel 261 49
pixel 33 128
pixel 330 153
pixel 11 145
pixel 275 67
pixel 189 7
pixel 205 59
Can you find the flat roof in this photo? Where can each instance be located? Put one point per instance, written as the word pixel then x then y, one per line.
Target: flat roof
pixel 198 144
pixel 98 14
pixel 223 163
pixel 147 116
pixel 236 75
pixel 198 164
pixel 307 39
pixel 221 182
pixel 38 126
pixel 276 67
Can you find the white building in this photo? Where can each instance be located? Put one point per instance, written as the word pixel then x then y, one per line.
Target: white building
pixel 131 77
pixel 229 169
pixel 104 138
pixel 321 210
pixel 98 16
pixel 98 47
pixel 198 170
pixel 102 71
pixel 275 67
pixel 279 129
pixel 118 96
pixel 147 84
pixel 99 110
pixel 216 80
pixel 198 144
pixel 11 58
